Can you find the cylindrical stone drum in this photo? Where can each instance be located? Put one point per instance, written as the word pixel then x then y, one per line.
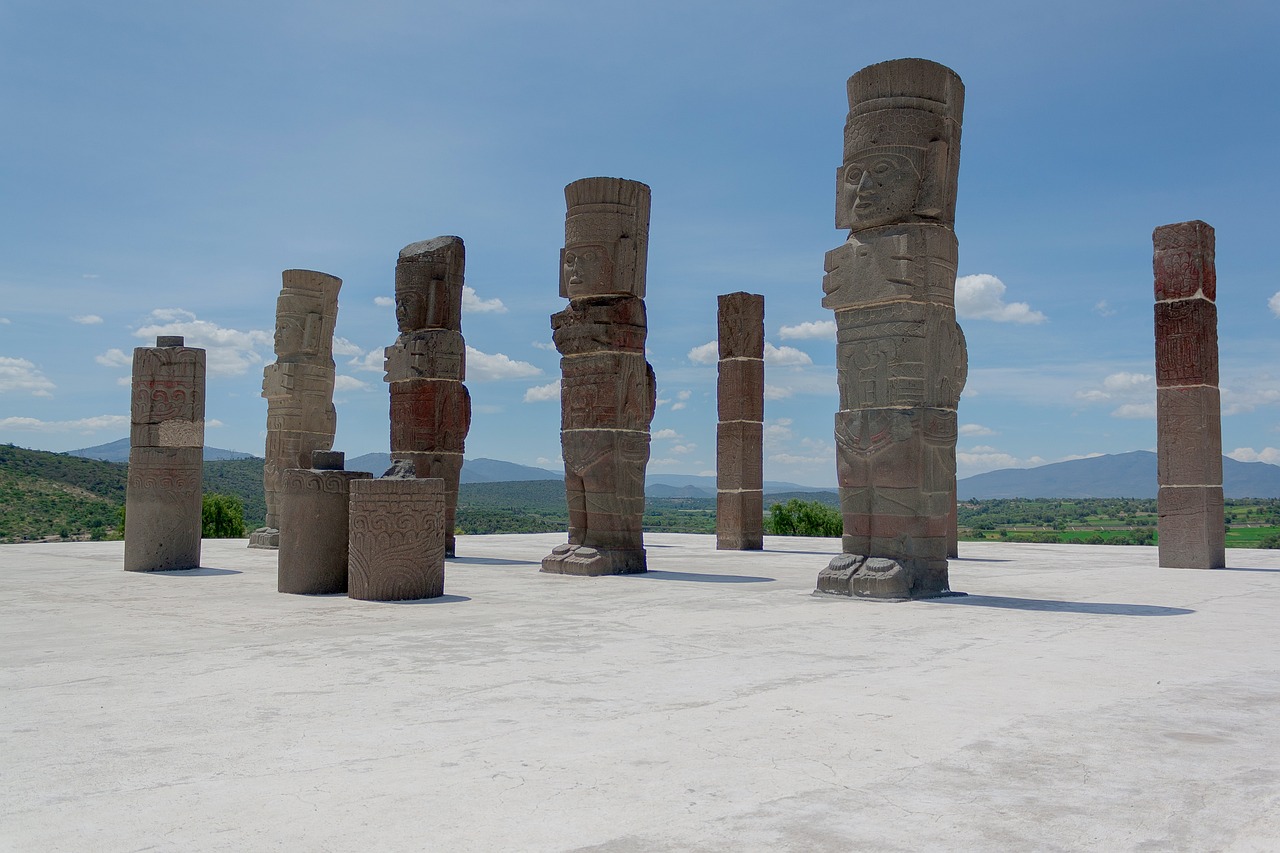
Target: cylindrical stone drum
pixel 314 526
pixel 162 518
pixel 396 547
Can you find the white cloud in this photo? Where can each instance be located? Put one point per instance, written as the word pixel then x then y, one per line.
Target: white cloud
pixel 981 297
pixel 1135 392
pixel 982 458
pixel 344 347
pixel 683 448
pixel 229 352
pixel 976 429
pixel 784 356
pixel 114 358
pixel 1102 308
pixel 384 301
pixel 666 434
pixel 1135 411
pixel 1074 456
pixel 474 304
pixel 794 459
pixel 778 431
pixel 1248 454
pixel 18 374
pixel 812 330
pixel 100 422
pixel 1128 383
pixel 1273 303
pixel 708 353
pixel 86 319
pixel 682 398
pixel 776 392
pixel 547 460
pixel 348 383
pixel 544 345
pixel 4 321
pixel 483 367
pixel 543 393
pixel 370 362
pixel 213 423
pixel 1244 394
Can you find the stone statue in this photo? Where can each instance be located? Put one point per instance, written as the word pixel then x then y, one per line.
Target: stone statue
pixel 430 407
pixel 314 525
pixel 901 357
pixel 608 390
pixel 740 431
pixel 1191 525
pixel 298 386
pixel 166 458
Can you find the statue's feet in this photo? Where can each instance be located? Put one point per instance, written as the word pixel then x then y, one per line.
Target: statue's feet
pixel 264 537
pixel 865 577
pixel 585 560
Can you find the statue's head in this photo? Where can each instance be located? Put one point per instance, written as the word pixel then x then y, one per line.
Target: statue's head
pixel 306 313
pixel 901 145
pixel 429 276
pixel 606 242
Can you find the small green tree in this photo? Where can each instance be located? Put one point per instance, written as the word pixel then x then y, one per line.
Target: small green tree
pixel 804 518
pixel 222 517
pixel 1272 541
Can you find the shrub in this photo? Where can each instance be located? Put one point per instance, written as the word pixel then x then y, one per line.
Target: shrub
pixel 804 518
pixel 222 517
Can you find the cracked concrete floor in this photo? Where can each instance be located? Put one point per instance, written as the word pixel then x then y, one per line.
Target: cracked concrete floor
pixel 1080 698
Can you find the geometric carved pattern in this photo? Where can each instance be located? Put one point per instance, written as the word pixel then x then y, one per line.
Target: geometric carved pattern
pixel 396 547
pixel 314 512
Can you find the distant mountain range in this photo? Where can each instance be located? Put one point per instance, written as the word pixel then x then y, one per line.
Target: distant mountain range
pixel 118 451
pixel 1119 475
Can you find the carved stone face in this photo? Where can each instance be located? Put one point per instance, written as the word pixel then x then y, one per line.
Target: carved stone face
pixel 586 269
pixel 880 188
pixel 411 310
pixel 291 332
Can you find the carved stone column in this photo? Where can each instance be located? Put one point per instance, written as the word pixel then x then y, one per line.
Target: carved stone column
pixel 900 355
pixel 396 548
pixel 608 390
pixel 430 407
pixel 1191 527
pixel 740 431
pixel 314 520
pixel 298 386
pixel 166 458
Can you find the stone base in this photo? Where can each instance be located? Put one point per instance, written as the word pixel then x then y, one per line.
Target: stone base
pixel 265 537
pixel 856 576
pixel 585 560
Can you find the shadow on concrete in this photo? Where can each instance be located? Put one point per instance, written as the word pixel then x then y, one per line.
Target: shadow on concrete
pixel 492 561
pixel 827 554
pixel 201 572
pixel 975 560
pixel 1049 605
pixel 1241 569
pixel 439 599
pixel 698 577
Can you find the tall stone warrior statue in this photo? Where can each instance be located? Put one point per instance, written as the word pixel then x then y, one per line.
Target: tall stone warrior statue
pixel 901 357
pixel 430 407
pixel 166 457
pixel 298 386
pixel 1188 402
pixel 608 390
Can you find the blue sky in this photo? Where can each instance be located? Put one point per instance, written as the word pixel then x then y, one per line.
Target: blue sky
pixel 163 162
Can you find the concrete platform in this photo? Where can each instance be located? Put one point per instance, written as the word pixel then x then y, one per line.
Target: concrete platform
pixel 1080 698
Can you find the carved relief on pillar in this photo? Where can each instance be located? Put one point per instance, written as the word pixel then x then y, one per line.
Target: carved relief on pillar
pixel 397 536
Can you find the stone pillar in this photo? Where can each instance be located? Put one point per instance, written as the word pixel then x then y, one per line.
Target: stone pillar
pixel 166 457
pixel 900 355
pixel 314 521
pixel 740 431
pixel 608 390
pixel 1192 532
pixel 430 407
pixel 298 386
pixel 396 549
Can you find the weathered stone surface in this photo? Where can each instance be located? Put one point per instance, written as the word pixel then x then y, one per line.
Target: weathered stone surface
pixel 900 355
pixel 1186 343
pixel 1189 436
pixel 162 509
pixel 314 527
pixel 1184 261
pixel 607 390
pixel 741 325
pixel 168 395
pixel 600 324
pixel 740 389
pixel 426 354
pixel 429 416
pixel 443 466
pixel 429 280
pixel 606 231
pixel 738 455
pixel 739 520
pixel 892 263
pixel 298 386
pixel 396 546
pixel 1191 531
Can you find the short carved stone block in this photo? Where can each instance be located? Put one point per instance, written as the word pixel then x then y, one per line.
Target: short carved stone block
pixel 606 390
pixel 163 509
pixel 1184 261
pixel 1189 431
pixel 1186 342
pixel 741 325
pixel 739 521
pixel 396 543
pixel 429 416
pixel 443 466
pixel 600 324
pixel 738 455
pixel 740 389
pixel 1191 532
pixel 314 522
